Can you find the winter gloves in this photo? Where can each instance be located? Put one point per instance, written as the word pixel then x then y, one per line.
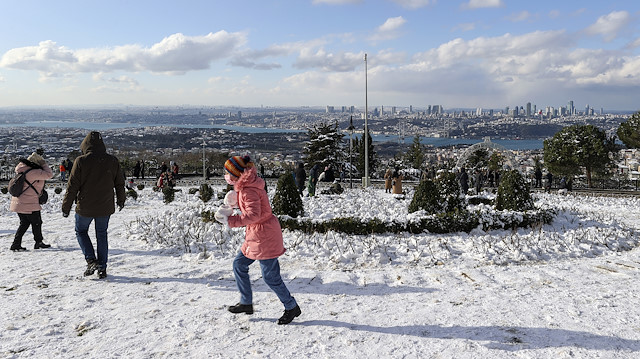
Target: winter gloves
pixel 223 213
pixel 231 199
pixel 230 202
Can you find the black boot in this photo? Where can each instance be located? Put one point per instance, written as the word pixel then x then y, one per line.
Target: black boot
pixel 241 308
pixel 288 315
pixel 102 273
pixel 17 247
pixel 92 266
pixel 40 245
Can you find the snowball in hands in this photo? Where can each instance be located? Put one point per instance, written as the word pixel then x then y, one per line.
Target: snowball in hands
pixel 223 213
pixel 231 199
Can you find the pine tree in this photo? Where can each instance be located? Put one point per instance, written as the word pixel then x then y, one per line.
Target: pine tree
pixel 576 147
pixel 415 154
pixel 325 146
pixel 629 131
pixel 287 200
pixel 513 193
pixel 426 197
pixel 358 148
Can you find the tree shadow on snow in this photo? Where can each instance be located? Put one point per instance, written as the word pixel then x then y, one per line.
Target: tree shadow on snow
pixel 497 337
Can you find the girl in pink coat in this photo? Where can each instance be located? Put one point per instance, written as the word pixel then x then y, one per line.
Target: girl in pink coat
pixel 27 205
pixel 263 238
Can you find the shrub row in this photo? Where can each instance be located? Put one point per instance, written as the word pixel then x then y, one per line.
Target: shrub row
pixel 460 221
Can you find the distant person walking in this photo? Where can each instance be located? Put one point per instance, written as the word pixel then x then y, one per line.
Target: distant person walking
pixel 301 177
pixel 136 170
pixel 313 180
pixel 396 181
pixel 538 176
pixel 63 172
pixel 387 180
pixel 27 205
pixel 464 181
pixel 263 236
pixel 95 176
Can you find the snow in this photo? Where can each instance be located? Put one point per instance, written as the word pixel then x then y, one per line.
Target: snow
pixel 568 289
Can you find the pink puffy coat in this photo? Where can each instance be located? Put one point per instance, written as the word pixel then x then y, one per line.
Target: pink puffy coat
pixel 263 238
pixel 28 200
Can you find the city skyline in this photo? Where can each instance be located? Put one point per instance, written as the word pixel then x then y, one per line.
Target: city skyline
pixel 463 53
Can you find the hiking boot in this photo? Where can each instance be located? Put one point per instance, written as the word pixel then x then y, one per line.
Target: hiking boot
pixel 92 267
pixel 288 315
pixel 102 273
pixel 18 248
pixel 40 245
pixel 241 308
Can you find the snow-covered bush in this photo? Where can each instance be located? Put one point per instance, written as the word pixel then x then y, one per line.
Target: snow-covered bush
pixel 287 199
pixel 206 192
pixel 426 198
pixel 513 193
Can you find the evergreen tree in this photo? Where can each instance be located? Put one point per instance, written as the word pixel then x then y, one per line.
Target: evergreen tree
pixel 513 193
pixel 325 146
pixel 415 154
pixel 287 200
pixel 426 197
pixel 629 131
pixel 576 147
pixel 478 159
pixel 358 148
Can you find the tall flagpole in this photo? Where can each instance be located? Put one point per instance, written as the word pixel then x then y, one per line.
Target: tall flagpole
pixel 366 127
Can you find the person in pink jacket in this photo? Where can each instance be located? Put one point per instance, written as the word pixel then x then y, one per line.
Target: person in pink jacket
pixel 27 205
pixel 263 238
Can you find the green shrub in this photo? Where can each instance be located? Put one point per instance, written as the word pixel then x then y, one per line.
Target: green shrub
pixel 206 192
pixel 513 193
pixel 426 198
pixel 168 194
pixel 456 221
pixel 57 190
pixel 480 200
pixel 287 200
pixel 193 190
pixel 132 193
pixel 449 189
pixel 140 187
pixel 207 216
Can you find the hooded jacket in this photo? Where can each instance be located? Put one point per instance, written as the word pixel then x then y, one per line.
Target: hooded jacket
pixel 263 238
pixel 28 200
pixel 93 178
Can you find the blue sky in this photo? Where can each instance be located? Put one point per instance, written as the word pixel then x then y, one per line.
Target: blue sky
pixel 456 53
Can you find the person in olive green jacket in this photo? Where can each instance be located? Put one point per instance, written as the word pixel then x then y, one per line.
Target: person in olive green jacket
pixel 91 185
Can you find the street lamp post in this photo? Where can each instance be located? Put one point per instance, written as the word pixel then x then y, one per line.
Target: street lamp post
pixel 365 180
pixel 351 128
pixel 204 170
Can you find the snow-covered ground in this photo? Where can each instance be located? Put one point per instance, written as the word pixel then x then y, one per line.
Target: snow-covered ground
pixel 564 290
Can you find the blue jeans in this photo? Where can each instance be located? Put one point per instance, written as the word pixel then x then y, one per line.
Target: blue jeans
pixel 82 234
pixel 271 275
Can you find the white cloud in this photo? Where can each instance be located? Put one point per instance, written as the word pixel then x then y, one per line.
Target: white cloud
pixel 469 26
pixel 2 78
pixel 554 14
pixel 520 16
pixel 175 54
pixel 328 61
pixel 414 4
pixel 476 4
pixel 610 25
pixel 389 30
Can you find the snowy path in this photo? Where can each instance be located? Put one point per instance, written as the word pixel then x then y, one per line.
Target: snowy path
pixel 158 304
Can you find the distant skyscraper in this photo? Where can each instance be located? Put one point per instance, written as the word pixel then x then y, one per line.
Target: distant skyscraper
pixel 329 109
pixel 528 109
pixel 429 110
pixel 570 108
pixel 410 108
pixel 393 110
pixel 586 110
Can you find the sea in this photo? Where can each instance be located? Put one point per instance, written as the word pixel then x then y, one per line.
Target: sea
pixel 511 144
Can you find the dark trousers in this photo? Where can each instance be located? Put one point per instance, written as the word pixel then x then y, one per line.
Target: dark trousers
pixel 32 219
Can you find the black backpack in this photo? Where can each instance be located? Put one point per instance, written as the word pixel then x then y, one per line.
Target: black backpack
pixel 16 184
